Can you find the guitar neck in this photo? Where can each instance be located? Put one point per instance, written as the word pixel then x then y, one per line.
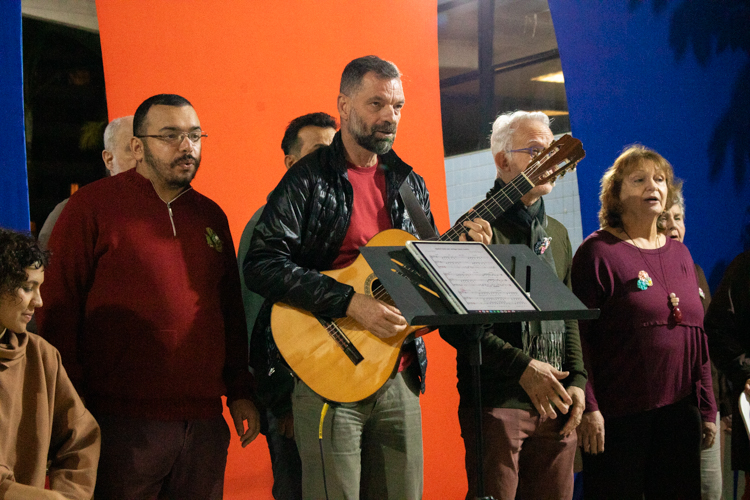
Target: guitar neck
pixel 493 207
pixel 561 156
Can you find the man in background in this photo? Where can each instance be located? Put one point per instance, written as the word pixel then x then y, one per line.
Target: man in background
pixel 303 135
pixel 117 158
pixel 117 155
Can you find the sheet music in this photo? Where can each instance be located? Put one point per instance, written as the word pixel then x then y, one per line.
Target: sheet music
pixel 479 281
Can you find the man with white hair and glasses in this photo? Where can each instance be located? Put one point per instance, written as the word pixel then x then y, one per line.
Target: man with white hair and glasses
pixel 532 372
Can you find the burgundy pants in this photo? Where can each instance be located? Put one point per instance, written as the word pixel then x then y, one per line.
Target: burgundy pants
pixel 149 459
pixel 521 454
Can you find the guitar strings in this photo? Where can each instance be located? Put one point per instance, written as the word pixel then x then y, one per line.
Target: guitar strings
pixel 483 211
pixel 379 294
pixel 538 167
pixel 453 233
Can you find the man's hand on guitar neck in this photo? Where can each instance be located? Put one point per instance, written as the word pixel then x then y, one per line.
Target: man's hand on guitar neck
pixel 375 316
pixel 478 230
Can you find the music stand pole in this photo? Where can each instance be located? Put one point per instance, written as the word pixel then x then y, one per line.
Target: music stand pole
pixel 475 359
pixel 553 300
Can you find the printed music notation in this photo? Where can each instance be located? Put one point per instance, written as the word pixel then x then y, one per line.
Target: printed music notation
pixel 475 277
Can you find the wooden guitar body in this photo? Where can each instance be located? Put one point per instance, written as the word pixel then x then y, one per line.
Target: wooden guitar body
pixel 343 362
pixel 319 360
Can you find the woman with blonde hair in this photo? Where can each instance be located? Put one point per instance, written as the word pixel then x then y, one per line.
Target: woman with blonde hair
pixel 649 391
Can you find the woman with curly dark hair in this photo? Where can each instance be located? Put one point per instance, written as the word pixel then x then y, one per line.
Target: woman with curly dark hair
pixel 41 416
pixel 21 261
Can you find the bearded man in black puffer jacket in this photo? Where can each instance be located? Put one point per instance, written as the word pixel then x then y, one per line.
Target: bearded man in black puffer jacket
pixel 328 205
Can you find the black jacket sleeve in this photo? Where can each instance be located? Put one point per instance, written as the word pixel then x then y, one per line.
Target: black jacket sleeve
pixel 273 267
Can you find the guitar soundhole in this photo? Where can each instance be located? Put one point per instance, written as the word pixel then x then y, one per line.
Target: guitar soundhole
pixel 373 288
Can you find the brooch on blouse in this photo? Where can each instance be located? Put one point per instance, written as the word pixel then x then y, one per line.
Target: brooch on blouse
pixel 542 245
pixel 644 280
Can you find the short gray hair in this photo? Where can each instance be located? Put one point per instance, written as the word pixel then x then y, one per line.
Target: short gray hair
pixel 355 71
pixel 506 124
pixel 678 199
pixel 111 131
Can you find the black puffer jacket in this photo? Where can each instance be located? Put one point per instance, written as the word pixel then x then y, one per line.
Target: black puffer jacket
pixel 302 229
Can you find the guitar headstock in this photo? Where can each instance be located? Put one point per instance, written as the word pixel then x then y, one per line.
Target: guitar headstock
pixel 555 161
pixel 560 157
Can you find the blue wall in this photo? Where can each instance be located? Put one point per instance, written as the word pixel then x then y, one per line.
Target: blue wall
pixel 14 186
pixel 672 76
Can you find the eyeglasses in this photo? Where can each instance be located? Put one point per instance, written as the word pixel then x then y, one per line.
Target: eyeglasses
pixel 529 151
pixel 176 138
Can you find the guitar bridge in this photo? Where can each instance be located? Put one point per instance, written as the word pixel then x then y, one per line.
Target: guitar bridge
pixel 343 341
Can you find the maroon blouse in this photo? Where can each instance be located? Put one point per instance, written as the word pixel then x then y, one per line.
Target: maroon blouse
pixel 636 356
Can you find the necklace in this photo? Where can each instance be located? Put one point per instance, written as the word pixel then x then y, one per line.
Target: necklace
pixel 674 300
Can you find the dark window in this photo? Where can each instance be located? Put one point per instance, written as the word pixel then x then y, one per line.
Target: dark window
pixel 494 55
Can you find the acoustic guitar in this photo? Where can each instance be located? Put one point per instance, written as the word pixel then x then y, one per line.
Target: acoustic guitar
pixel 340 360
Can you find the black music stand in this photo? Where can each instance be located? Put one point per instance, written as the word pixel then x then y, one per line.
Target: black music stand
pixel 419 307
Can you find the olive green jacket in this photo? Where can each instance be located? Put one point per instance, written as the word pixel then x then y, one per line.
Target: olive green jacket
pixel 503 360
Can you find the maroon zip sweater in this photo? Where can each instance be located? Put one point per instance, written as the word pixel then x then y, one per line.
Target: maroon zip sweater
pixel 142 299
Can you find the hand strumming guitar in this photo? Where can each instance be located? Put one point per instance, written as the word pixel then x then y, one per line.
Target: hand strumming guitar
pixel 378 317
pixel 385 320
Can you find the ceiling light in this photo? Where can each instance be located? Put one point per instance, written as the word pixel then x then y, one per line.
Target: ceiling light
pixel 550 77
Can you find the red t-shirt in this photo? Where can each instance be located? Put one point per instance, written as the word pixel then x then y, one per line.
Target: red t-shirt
pixel 369 213
pixel 369 217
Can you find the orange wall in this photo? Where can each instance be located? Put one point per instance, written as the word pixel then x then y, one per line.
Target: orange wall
pixel 249 67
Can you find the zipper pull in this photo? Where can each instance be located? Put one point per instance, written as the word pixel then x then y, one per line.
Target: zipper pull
pixel 171 219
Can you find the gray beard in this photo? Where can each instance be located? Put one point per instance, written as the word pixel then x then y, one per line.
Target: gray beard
pixel 367 139
pixel 373 144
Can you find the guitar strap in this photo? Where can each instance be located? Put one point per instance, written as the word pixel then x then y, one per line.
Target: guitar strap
pixel 425 231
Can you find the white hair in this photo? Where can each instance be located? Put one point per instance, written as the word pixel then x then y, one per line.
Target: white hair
pixel 679 200
pixel 112 128
pixel 506 124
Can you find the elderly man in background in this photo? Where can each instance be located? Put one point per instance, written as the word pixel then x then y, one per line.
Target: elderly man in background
pixel 117 155
pixel 117 158
pixel 529 369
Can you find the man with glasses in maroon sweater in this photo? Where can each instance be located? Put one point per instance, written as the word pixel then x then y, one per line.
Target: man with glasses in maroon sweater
pixel 144 305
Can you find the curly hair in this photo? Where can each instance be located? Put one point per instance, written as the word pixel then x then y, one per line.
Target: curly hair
pixel 632 157
pixel 18 251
